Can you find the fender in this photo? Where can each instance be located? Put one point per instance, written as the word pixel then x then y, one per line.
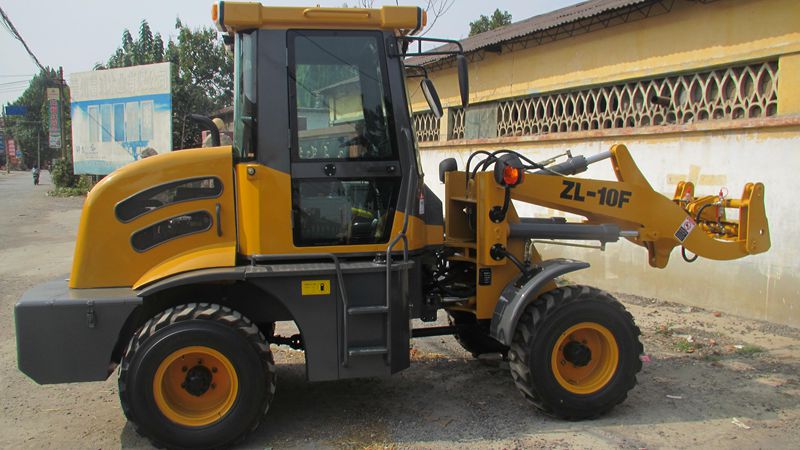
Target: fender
pixel 514 299
pixel 264 294
pixel 214 256
pixel 193 277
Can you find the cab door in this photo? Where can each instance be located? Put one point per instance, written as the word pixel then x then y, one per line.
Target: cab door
pixel 346 174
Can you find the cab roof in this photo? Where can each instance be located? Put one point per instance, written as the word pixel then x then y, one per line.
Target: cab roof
pixel 231 17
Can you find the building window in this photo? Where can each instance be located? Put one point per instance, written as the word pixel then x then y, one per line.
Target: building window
pixel 426 127
pixel 147 120
pixel 94 123
pixel 132 121
pixel 105 122
pixel 119 122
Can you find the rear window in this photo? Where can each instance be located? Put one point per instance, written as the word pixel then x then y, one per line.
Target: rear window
pixel 169 229
pixel 167 194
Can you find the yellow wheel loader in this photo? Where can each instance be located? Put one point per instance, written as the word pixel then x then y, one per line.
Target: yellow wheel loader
pixel 318 215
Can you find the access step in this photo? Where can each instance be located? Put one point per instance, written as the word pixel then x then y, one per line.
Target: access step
pixel 361 310
pixel 367 351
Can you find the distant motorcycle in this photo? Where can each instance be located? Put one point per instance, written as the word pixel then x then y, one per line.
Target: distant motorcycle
pixel 35 177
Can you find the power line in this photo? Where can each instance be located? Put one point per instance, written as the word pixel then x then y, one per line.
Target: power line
pixel 10 27
pixel 7 83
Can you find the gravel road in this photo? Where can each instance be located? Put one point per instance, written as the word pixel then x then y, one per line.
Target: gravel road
pixel 713 380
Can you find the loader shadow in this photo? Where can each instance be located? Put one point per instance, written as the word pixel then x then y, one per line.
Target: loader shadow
pixel 460 399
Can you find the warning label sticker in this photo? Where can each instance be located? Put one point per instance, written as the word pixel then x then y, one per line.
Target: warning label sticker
pixel 315 287
pixel 686 227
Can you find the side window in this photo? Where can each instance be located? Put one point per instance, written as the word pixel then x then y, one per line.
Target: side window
pixel 341 110
pixel 171 228
pixel 166 194
pixel 245 94
pixel 344 212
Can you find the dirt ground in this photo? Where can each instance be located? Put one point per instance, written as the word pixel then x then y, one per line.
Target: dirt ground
pixel 712 380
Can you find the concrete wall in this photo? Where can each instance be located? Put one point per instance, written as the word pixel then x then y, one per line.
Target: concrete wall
pixel 712 154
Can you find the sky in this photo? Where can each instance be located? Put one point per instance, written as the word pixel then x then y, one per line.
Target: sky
pixel 76 34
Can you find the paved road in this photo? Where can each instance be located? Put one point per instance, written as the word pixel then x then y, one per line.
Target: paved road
pixel 445 400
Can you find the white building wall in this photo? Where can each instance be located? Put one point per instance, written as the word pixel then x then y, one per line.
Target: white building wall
pixel 763 286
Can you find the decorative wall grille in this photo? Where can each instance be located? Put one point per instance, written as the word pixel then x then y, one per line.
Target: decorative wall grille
pixel 729 93
pixel 456 123
pixel 740 92
pixel 426 126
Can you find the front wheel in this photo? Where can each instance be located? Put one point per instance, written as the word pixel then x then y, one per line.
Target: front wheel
pixel 575 353
pixel 196 376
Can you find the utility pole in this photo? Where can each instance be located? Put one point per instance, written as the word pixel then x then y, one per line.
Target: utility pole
pixel 38 148
pixel 61 112
pixel 8 160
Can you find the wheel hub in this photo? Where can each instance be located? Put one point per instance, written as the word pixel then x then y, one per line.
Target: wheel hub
pixel 198 380
pixel 195 386
pixel 577 353
pixel 584 358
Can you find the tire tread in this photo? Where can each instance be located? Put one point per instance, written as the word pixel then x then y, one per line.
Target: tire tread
pixel 199 311
pixel 537 313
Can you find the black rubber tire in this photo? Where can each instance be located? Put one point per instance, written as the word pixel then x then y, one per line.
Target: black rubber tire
pixel 537 332
pixel 214 326
pixel 474 336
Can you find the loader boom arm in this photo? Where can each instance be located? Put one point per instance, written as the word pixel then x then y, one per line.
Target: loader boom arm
pixel 652 220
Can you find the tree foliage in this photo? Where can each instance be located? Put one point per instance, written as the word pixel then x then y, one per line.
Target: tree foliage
pixel 31 130
pixel 147 49
pixel 485 23
pixel 202 72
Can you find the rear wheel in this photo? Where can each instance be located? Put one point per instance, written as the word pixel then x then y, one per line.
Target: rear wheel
pixel 473 334
pixel 197 376
pixel 575 353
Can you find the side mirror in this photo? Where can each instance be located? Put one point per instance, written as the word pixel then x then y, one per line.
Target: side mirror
pixel 429 91
pixel 463 80
pixel 447 165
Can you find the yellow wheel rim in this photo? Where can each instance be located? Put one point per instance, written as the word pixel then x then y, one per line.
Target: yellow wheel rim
pixel 195 386
pixel 585 358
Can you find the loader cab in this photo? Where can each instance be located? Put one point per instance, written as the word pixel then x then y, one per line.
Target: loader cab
pixel 323 113
pixel 323 134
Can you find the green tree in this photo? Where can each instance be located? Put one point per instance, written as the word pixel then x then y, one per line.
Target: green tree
pixel 146 49
pixel 31 130
pixel 485 23
pixel 202 80
pixel 202 72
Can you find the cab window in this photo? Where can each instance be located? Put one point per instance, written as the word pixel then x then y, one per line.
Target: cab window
pixel 341 107
pixel 344 212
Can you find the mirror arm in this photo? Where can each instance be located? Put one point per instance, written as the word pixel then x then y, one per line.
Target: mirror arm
pixel 206 123
pixel 420 40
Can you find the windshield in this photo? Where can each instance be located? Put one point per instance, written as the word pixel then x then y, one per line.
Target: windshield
pixel 244 96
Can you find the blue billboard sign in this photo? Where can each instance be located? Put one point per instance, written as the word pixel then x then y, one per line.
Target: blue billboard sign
pixel 16 110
